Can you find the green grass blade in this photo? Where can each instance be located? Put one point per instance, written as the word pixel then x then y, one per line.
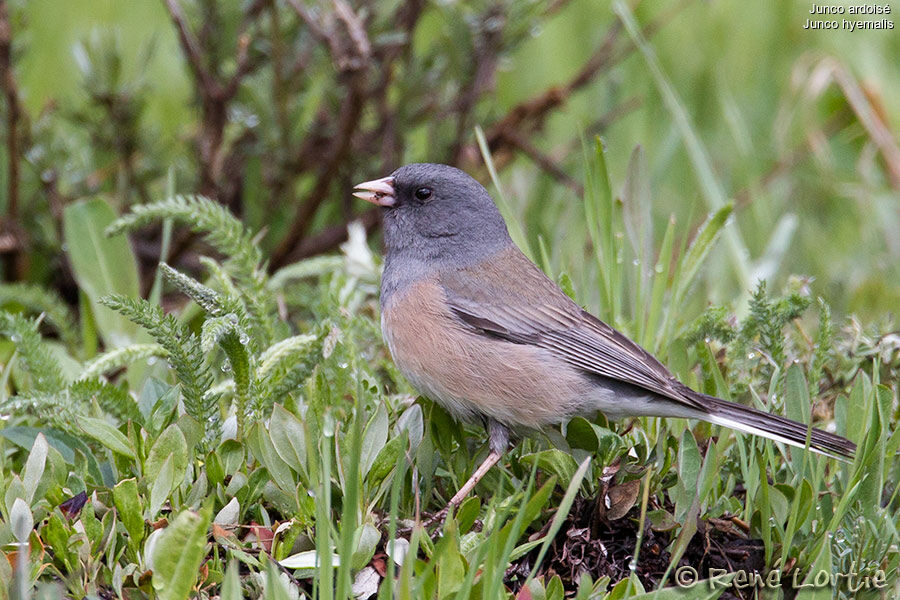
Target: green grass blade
pixel 713 192
pixel 561 513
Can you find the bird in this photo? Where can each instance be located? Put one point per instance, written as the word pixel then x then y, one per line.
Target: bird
pixel 477 327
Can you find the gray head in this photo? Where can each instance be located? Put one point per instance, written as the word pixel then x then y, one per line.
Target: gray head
pixel 436 214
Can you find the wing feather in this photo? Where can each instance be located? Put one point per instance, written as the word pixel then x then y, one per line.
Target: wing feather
pixel 530 309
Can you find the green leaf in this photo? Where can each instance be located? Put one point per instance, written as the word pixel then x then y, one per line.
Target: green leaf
pixel 161 485
pixel 555 589
pixel 56 533
pixel 822 564
pixel 107 435
pixel 580 434
pixel 872 461
pixel 275 585
pixel 178 554
pixel 450 571
pixel 231 585
pixel 128 503
pixel 34 466
pixel 169 445
pixel 554 461
pixel 66 444
pixel 191 429
pixel 701 590
pixel 227 234
pixel 386 460
pixel 698 251
pixel 162 410
pixel 365 549
pixel 374 438
pixel 92 526
pixel 565 284
pixel 21 521
pixel 288 438
pixel 653 333
pixel 101 266
pixel 232 454
pixel 538 501
pixel 712 188
pixel 796 392
pixel 215 470
pixel 688 471
pixel 858 417
pixel 260 443
pixel 561 513
pixel 709 473
pixel 467 513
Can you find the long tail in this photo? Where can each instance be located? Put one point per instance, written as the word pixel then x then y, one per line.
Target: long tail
pixel 749 420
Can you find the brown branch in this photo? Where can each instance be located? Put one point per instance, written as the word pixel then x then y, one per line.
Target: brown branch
pixel 243 68
pixel 351 111
pixel 546 163
pixel 333 236
pixel 13 109
pixel 321 142
pixel 15 267
pixel 359 51
pixel 406 17
pixel 214 95
pixel 351 55
pixel 309 20
pixel 614 114
pixel 532 114
pixel 487 48
pixel 869 118
pixel 191 48
pixel 56 201
pixel 550 166
pixel 529 116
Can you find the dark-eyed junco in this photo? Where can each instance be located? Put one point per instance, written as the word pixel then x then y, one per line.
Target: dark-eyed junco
pixel 476 326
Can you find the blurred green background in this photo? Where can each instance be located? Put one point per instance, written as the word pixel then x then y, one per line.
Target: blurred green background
pixel 783 140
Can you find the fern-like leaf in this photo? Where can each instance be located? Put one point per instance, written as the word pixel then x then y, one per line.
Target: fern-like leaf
pixel 121 357
pixel 206 297
pixel 220 276
pixel 280 353
pixel 214 329
pixel 47 376
pixel 113 399
pixel 183 347
pixel 226 327
pixel 824 346
pixel 221 228
pixel 287 365
pixel 53 408
pixel 227 234
pixel 36 300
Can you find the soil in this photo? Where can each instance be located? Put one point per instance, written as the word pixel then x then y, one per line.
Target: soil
pixel 587 543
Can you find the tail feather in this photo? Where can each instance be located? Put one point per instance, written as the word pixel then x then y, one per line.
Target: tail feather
pixel 781 429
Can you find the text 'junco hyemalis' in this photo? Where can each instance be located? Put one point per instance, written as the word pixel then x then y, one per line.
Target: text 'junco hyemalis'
pixel 476 326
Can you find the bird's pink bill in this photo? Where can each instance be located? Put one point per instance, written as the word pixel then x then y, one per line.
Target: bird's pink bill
pixel 377 191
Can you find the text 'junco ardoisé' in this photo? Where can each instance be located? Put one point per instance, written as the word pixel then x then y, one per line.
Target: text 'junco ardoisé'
pixel 476 326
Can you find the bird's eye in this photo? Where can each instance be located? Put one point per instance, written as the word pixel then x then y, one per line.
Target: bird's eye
pixel 423 193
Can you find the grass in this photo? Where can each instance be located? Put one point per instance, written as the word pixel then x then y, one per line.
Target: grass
pixel 221 449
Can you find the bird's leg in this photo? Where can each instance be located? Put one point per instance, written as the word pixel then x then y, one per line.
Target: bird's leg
pixel 498 440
